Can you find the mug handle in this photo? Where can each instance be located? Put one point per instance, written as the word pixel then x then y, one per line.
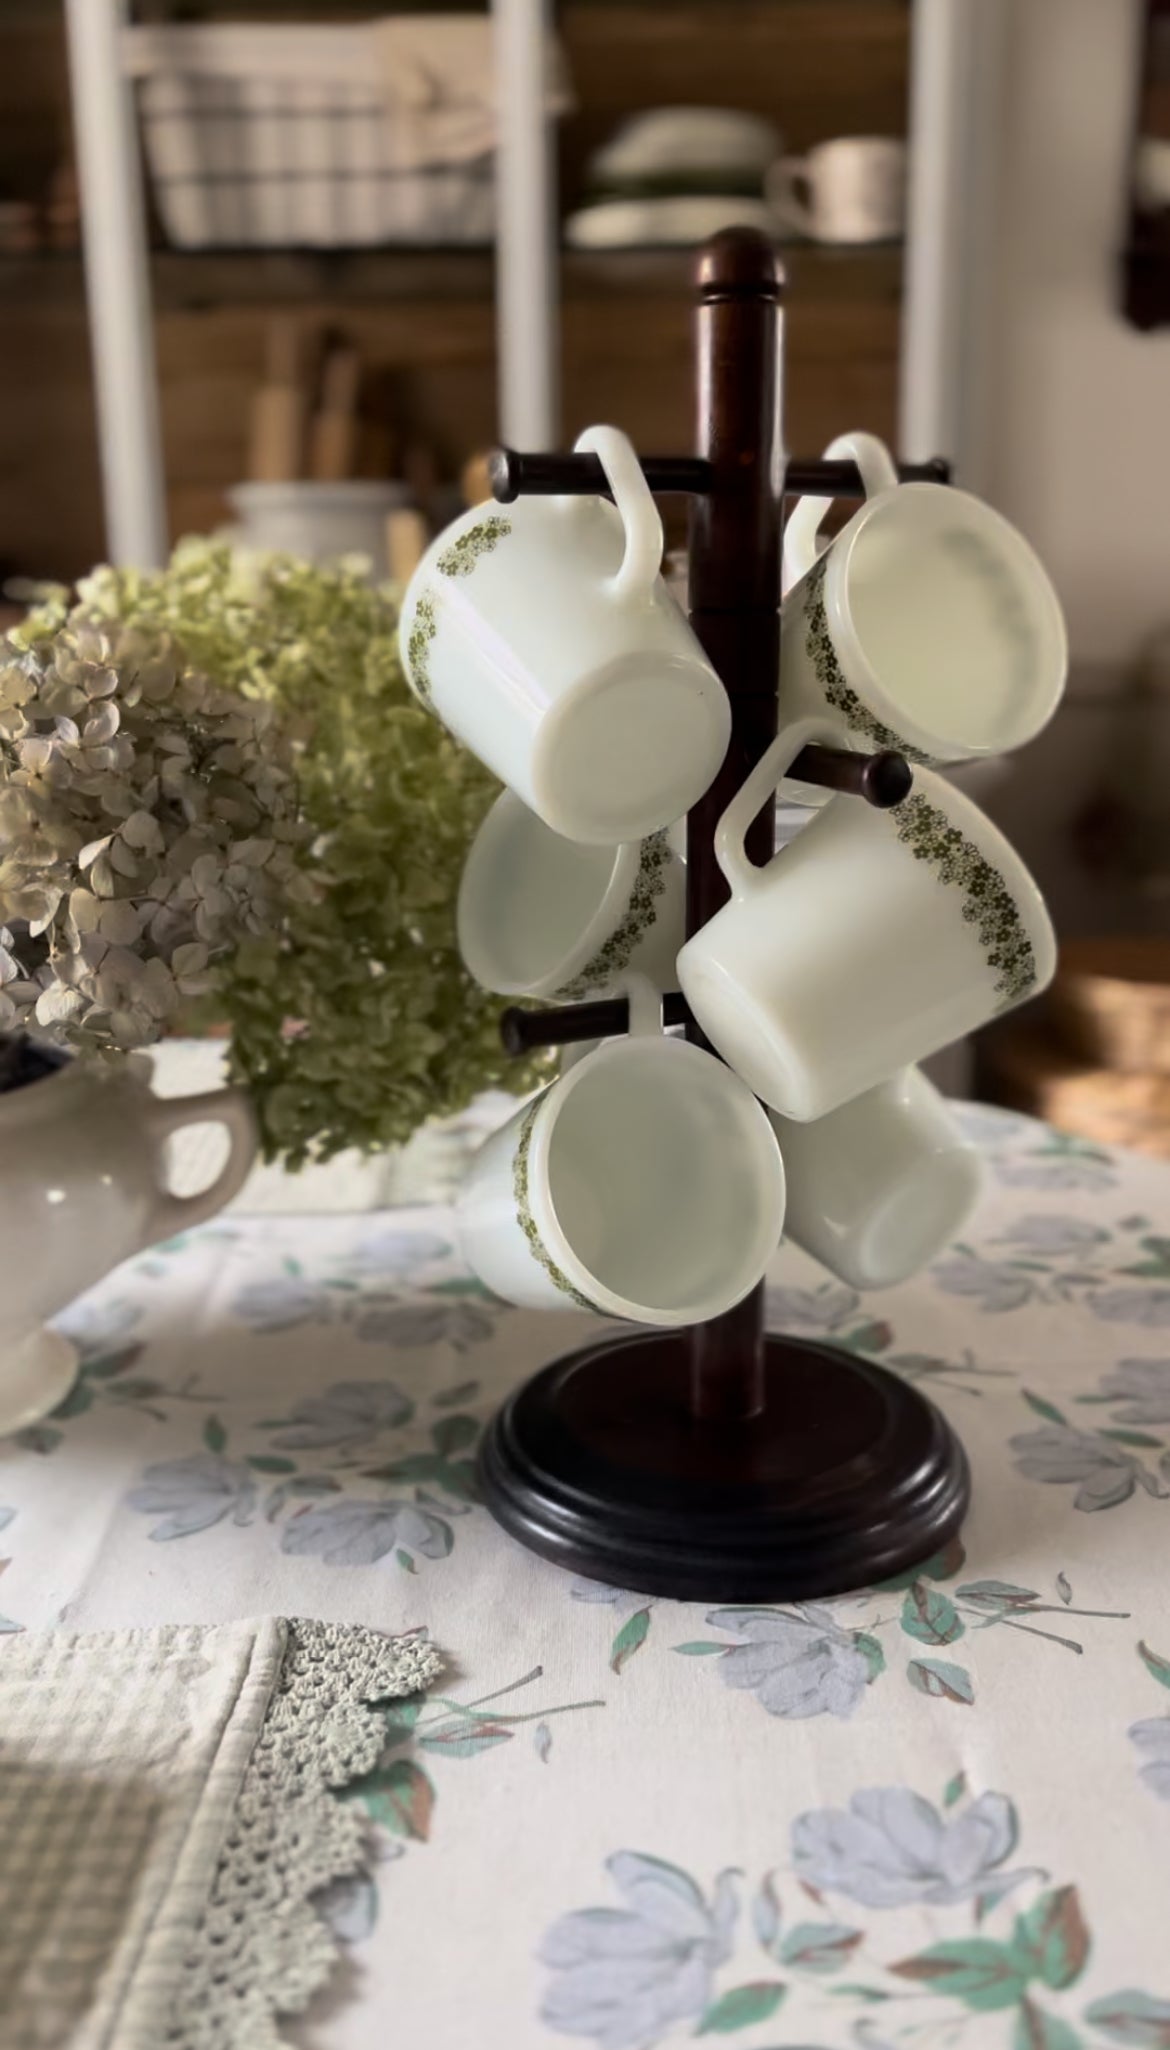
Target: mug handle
pixel 742 876
pixel 635 502
pixel 230 1107
pixel 878 473
pixel 780 191
pixel 645 1003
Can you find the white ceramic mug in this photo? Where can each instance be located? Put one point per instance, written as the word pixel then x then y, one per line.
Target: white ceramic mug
pixel 927 625
pixel 854 190
pixel 645 1183
pixel 869 941
pixel 880 1186
pixel 82 1186
pixel 545 638
pixel 538 915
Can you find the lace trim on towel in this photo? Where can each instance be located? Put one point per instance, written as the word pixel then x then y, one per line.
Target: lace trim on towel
pixel 262 1949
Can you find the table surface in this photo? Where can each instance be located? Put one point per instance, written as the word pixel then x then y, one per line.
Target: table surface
pixel 932 1814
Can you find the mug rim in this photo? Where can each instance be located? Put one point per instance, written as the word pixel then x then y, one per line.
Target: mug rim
pixel 619 888
pixel 1046 607
pixel 551 1233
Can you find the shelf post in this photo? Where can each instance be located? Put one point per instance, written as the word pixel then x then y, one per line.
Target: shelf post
pixel 117 279
pixel 526 260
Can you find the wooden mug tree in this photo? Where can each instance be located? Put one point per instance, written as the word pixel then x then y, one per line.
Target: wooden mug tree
pixel 724 1463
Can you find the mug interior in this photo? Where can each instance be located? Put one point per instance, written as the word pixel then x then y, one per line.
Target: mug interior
pixel 529 901
pixel 665 1179
pixel 954 619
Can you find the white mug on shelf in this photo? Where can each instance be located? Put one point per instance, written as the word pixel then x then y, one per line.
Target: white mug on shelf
pixel 871 940
pixel 928 624
pixel 538 915
pixel 544 637
pixel 877 1188
pixel 644 1183
pixel 854 190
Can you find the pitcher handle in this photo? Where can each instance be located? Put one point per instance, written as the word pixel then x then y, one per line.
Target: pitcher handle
pixel 229 1107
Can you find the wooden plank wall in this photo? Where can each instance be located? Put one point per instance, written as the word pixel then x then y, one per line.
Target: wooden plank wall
pixel 817 67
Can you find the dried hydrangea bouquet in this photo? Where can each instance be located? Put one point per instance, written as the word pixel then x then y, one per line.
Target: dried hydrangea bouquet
pixel 215 785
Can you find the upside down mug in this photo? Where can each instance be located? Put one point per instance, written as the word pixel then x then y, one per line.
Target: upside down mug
pixel 878 1187
pixel 928 624
pixel 544 637
pixel 869 941
pixel 644 1183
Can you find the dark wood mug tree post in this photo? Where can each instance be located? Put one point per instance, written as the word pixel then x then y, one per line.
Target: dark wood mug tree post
pixel 723 1463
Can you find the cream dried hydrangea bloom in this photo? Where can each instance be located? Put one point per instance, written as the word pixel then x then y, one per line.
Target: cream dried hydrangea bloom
pixel 147 825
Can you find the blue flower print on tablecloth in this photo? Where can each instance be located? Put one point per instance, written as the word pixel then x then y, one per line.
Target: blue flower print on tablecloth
pixel 349 1413
pixel 820 1659
pixel 394 1287
pixel 891 1847
pixel 359 1533
pixel 1120 1273
pixel 194 1494
pixel 1151 1737
pixel 1140 1391
pixel 6 1623
pixel 798 1662
pixel 1001 1946
pixel 299 1487
pixel 1023 1155
pixel 1107 1443
pixel 627 1976
pixel 1149 1307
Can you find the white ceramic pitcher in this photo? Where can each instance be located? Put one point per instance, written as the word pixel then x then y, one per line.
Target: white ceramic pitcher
pixel 82 1187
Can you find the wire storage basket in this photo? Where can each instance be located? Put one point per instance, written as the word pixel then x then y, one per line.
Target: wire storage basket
pixel 262 135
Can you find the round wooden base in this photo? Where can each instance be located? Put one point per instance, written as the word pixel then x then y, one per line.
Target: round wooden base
pixel 847 1477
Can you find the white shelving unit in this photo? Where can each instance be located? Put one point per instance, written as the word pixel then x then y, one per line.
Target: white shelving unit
pixel 954 88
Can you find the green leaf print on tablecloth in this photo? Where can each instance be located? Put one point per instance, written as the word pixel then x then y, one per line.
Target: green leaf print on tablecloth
pixel 1001 1942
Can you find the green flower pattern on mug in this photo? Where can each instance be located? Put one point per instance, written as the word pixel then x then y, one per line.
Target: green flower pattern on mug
pixel 651 1970
pixel 456 561
pixel 424 627
pixel 927 832
pixel 831 677
pixel 527 1222
pixel 461 557
pixel 617 953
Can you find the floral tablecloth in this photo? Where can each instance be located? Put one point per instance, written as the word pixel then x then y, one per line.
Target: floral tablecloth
pixel 933 1814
